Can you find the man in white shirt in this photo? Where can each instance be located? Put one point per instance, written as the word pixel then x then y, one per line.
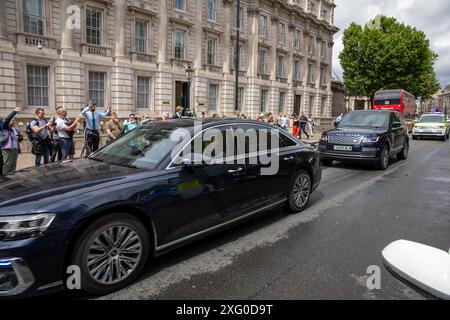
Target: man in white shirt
pixel 65 129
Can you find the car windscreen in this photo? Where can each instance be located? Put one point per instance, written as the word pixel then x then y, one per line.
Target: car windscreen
pixel 364 119
pixel 143 147
pixel 432 119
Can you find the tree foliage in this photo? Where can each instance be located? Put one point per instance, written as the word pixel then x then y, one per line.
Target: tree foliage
pixel 387 54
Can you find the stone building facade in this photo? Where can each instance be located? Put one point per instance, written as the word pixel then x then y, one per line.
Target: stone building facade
pixel 132 55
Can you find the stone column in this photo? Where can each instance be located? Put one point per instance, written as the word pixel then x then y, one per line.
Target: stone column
pixel 228 21
pixel 120 18
pixel 273 67
pixel 253 13
pixel 162 50
pixel 3 26
pixel 68 23
pixel 198 36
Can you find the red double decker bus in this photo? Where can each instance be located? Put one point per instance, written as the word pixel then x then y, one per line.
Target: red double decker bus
pixel 399 100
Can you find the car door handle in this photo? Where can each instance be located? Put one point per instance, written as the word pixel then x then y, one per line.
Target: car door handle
pixel 235 171
pixel 288 158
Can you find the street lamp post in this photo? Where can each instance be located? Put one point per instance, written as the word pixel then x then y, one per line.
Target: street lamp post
pixel 237 54
pixel 189 72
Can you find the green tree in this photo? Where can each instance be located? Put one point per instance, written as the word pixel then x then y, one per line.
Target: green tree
pixel 387 54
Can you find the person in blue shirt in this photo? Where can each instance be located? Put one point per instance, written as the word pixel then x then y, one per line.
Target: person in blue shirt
pixel 93 119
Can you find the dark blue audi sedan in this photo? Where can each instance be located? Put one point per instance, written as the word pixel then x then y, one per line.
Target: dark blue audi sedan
pixel 154 189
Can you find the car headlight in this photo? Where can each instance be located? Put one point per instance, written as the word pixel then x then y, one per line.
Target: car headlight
pixel 324 137
pixel 371 139
pixel 23 227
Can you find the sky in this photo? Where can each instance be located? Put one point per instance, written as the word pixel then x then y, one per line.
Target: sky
pixel 430 16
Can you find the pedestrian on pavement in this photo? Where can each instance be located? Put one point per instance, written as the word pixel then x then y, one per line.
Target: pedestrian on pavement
pixel 66 130
pixel 93 124
pixel 284 122
pixel 132 124
pixel 311 125
pixel 128 121
pixel 165 116
pixel 10 139
pixel 178 113
pixel 56 150
pixel 39 136
pixel 303 123
pixel 113 128
pixel 296 127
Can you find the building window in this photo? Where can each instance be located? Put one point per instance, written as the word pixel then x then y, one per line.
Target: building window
pixel 241 18
pixel 282 102
pixel 213 94
pixel 297 65
pixel 212 10
pixel 324 106
pixel 324 14
pixel 280 66
pixel 263 26
pixel 34 16
pixel 263 100
pixel 37 85
pixel 97 88
pixel 141 36
pixel 94 25
pixel 322 77
pixel 262 62
pixel 180 44
pixel 311 6
pixel 323 50
pixel 180 5
pixel 311 105
pixel 281 33
pixel 240 98
pixel 241 57
pixel 311 73
pixel 297 39
pixel 142 92
pixel 212 51
pixel 311 46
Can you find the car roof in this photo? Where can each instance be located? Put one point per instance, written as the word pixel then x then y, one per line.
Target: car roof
pixel 375 111
pixel 206 123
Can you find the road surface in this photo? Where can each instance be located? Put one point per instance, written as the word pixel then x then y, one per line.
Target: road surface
pixel 324 252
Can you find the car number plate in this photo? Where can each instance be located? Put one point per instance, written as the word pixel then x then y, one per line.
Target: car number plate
pixel 343 148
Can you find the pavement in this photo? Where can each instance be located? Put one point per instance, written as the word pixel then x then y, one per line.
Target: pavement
pixel 324 252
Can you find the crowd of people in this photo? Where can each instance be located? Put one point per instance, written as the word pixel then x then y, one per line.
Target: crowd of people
pixel 53 140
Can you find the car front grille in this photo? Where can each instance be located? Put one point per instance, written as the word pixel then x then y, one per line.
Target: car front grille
pixel 346 139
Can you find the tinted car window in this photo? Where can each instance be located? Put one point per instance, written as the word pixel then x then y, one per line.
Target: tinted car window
pixel 143 147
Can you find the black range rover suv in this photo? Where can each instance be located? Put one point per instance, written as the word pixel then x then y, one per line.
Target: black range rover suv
pixel 368 136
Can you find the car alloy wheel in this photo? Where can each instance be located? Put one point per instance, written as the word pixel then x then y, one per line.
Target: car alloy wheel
pixel 384 159
pixel 111 253
pixel 403 155
pixel 114 254
pixel 300 192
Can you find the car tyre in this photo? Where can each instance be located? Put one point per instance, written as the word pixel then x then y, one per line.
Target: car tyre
pixel 117 242
pixel 415 137
pixel 300 191
pixel 403 155
pixel 383 163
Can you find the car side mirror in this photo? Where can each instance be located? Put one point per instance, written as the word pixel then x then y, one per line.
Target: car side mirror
pixel 396 124
pixel 424 267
